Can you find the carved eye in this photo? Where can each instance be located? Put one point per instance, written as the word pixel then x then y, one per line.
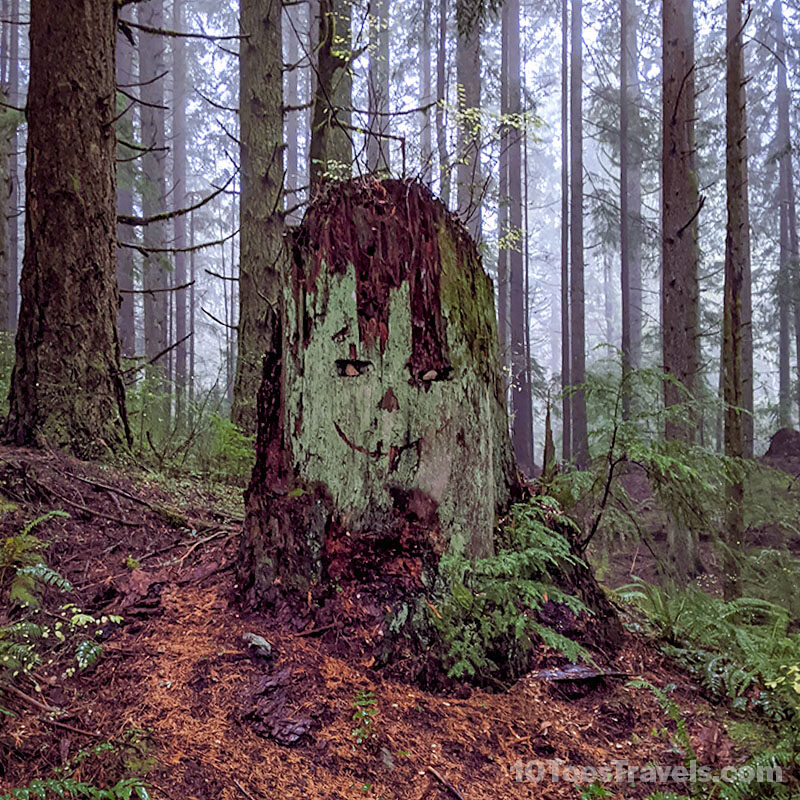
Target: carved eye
pixel 431 375
pixel 351 367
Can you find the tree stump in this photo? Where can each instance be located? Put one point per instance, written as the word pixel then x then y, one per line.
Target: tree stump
pixel 383 440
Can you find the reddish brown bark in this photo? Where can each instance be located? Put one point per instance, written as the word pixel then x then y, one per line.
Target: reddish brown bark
pixel 66 387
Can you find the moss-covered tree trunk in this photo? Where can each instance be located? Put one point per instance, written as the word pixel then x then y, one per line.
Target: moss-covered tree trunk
pixel 261 209
pixel 383 438
pixel 66 385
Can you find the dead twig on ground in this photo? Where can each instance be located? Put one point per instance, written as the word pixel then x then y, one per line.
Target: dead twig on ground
pixel 243 790
pixel 71 728
pixel 197 544
pixel 91 511
pixel 446 783
pixel 26 698
pixel 114 490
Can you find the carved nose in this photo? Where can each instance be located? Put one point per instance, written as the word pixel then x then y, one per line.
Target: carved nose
pixel 389 402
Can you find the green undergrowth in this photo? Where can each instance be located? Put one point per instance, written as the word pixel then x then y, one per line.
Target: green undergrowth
pixel 744 653
pixel 33 633
pixel 105 771
pixel 195 441
pixel 44 639
pixel 487 622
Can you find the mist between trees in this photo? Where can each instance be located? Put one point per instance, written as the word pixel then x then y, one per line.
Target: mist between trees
pixel 586 159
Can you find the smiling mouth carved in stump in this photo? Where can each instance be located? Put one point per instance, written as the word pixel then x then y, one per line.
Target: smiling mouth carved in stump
pixel 383 437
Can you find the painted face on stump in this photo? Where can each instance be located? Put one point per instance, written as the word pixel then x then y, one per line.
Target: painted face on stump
pixel 390 395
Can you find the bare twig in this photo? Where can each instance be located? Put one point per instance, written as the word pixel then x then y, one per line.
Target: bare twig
pixel 71 728
pixel 140 148
pixel 155 291
pixel 156 356
pixel 243 790
pixel 91 511
pixel 209 37
pixel 215 104
pixel 219 321
pixel 142 83
pixel 141 221
pixel 197 544
pixel 449 786
pixel 146 251
pixel 221 277
pixel 317 631
pixel 26 698
pixel 135 99
pixel 112 489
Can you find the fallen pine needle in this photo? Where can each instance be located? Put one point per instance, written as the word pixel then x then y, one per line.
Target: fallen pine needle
pixel 245 792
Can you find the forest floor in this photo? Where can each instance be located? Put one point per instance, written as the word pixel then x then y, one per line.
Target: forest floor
pixel 190 708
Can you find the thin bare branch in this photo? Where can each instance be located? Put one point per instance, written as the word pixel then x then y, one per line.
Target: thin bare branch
pixel 123 219
pixel 208 37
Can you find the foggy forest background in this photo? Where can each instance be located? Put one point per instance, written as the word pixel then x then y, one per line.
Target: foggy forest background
pixel 178 134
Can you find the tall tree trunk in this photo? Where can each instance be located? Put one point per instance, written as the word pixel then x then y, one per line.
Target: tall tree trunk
pixel 312 38
pixel 192 306
pixel 786 266
pixel 291 32
pixel 441 101
pixel 14 99
pixel 527 294
pixel 783 290
pixel 8 125
pixel 233 323
pixel 426 97
pixel 630 199
pixel 566 399
pixel 261 256
pixel 503 330
pixel 331 149
pixel 580 436
pixel 608 299
pixel 468 76
pixel 737 320
pixel 66 387
pixel 6 25
pixel 126 177
pixel 180 194
pixel 794 260
pixel 681 207
pixel 634 189
pixel 378 124
pixel 521 400
pixel 152 69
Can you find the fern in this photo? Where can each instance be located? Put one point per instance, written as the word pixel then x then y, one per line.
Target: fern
pixel 41 520
pixel 68 787
pixel 20 551
pixel 487 620
pixel 24 642
pixel 782 757
pixel 22 555
pixel 87 653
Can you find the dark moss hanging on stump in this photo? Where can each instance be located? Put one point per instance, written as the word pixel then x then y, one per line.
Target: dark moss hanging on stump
pixel 383 437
